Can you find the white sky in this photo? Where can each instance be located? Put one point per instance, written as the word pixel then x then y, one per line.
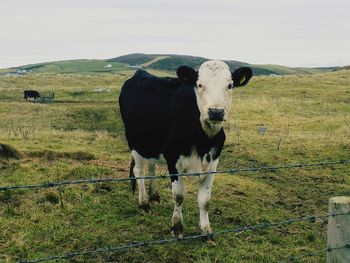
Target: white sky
pixel 286 32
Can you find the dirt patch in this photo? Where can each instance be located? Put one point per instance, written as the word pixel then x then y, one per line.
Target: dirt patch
pixel 52 155
pixel 7 151
pixel 50 197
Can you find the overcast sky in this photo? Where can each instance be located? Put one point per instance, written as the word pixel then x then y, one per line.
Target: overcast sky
pixel 286 32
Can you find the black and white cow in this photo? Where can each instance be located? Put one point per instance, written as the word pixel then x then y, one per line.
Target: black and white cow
pixel 31 94
pixel 179 120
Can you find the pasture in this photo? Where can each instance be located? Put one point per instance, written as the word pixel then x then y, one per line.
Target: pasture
pixel 275 120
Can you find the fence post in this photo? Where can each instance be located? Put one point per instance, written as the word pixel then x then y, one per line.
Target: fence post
pixel 338 230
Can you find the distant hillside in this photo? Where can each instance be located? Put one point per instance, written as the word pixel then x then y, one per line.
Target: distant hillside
pixel 69 66
pixel 170 62
pixel 344 68
pixel 162 62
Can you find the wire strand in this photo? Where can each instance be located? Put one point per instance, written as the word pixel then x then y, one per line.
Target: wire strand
pixel 110 249
pixel 229 172
pixel 315 253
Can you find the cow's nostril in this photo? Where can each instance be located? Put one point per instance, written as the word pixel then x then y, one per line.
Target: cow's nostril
pixel 216 111
pixel 216 114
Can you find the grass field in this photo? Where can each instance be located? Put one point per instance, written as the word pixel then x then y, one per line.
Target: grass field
pixel 80 136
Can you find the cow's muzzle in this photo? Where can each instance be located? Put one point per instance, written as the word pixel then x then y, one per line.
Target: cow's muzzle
pixel 216 114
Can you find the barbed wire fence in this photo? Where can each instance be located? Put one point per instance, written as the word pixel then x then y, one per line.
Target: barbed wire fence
pixel 313 254
pixel 312 218
pixel 226 172
pixel 110 249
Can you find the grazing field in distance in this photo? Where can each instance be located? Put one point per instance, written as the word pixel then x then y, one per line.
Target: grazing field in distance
pixel 275 120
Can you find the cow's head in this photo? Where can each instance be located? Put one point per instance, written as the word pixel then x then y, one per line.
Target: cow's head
pixel 213 84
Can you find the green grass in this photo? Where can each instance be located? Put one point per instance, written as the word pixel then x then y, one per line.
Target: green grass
pixel 283 70
pixel 80 136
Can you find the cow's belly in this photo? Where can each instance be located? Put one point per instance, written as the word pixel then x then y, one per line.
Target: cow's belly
pixel 193 164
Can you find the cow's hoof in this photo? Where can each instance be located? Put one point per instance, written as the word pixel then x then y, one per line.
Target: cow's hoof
pixel 177 230
pixel 211 241
pixel 206 230
pixel 145 209
pixel 154 198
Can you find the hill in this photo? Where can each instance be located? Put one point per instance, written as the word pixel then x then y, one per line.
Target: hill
pixel 162 62
pixel 170 62
pixel 80 66
pixel 344 68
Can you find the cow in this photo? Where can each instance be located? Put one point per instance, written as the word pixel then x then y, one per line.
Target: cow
pixel 31 94
pixel 180 121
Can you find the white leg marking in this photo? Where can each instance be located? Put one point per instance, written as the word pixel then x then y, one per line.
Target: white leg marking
pixel 153 189
pixel 204 196
pixel 139 172
pixel 178 191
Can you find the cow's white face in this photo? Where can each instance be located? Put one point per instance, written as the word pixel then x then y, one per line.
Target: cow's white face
pixel 214 95
pixel 213 85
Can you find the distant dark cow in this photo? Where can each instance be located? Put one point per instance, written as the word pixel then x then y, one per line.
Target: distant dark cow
pixel 179 120
pixel 31 94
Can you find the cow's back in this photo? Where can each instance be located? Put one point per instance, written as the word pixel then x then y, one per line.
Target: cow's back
pixel 144 105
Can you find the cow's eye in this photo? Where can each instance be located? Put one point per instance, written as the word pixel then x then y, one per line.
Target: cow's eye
pixel 230 86
pixel 200 86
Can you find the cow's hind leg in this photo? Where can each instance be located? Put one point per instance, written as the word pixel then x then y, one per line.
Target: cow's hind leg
pixel 178 191
pixel 154 196
pixel 139 171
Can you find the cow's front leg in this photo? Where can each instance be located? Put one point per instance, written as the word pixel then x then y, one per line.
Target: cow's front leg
pixel 178 190
pixel 139 171
pixel 204 196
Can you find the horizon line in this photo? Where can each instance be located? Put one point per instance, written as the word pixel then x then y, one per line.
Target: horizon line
pixel 175 54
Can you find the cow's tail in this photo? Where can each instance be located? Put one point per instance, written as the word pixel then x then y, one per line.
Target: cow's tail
pixel 132 176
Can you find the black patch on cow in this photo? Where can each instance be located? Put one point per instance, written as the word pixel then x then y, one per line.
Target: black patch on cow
pixel 132 176
pixel 179 199
pixel 208 158
pixel 207 205
pixel 177 228
pixel 161 116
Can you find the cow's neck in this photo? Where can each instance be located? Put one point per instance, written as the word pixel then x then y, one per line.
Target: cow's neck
pixel 211 129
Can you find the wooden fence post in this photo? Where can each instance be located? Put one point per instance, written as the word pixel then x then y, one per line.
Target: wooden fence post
pixel 338 230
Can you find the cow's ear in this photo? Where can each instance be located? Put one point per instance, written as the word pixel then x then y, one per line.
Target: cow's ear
pixel 187 75
pixel 241 76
